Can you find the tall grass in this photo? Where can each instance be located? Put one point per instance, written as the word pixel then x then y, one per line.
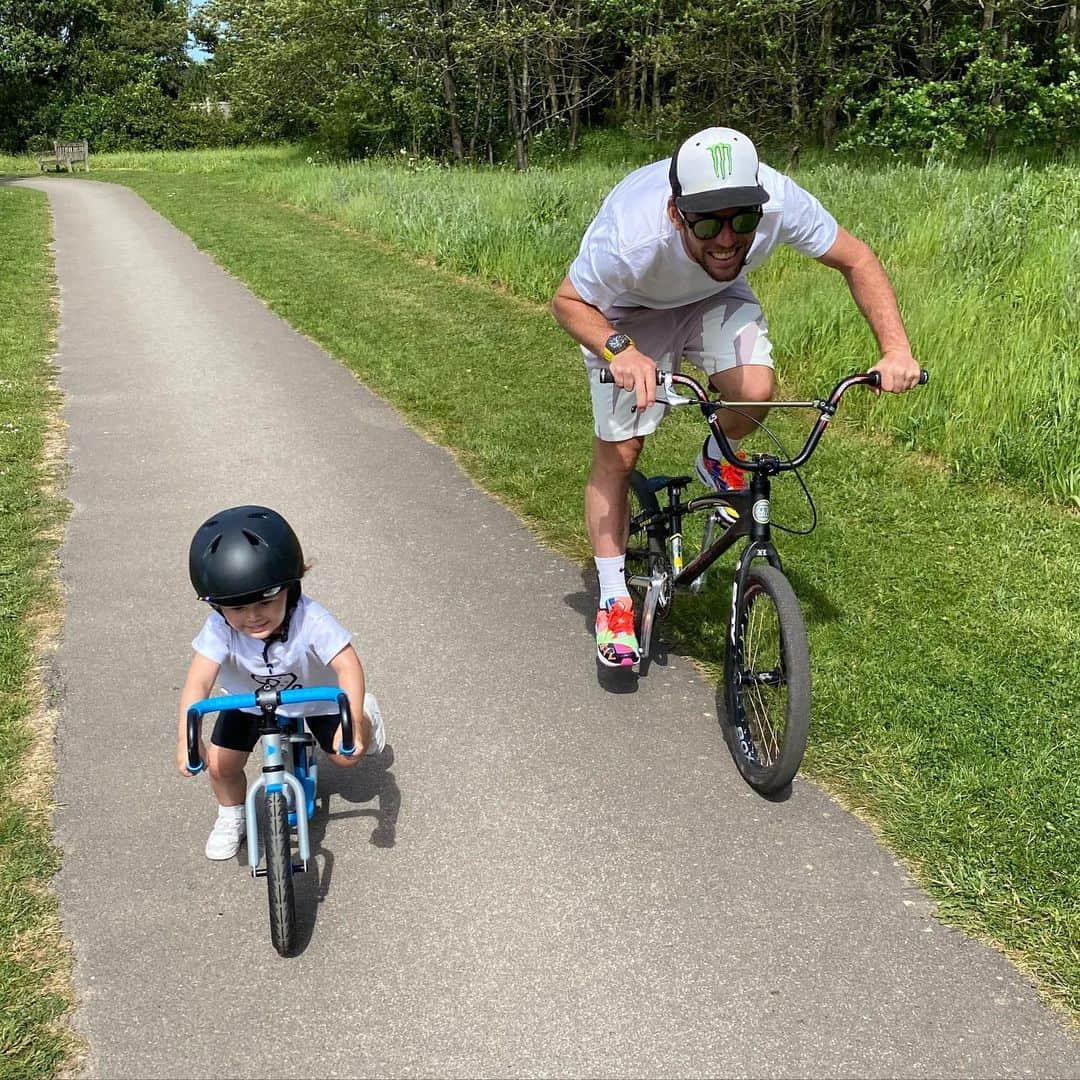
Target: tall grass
pixel 986 264
pixel 985 260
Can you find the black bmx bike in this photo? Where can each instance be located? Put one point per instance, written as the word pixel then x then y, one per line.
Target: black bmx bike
pixel 766 685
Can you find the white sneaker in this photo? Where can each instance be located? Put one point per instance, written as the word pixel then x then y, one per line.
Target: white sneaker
pixel 378 732
pixel 225 837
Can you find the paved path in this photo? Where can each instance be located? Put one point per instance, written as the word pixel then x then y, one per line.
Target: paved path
pixel 551 880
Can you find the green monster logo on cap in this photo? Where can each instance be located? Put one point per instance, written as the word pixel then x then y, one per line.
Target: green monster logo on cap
pixel 721 159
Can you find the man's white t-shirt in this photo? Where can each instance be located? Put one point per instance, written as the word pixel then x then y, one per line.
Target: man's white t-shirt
pixel 315 637
pixel 632 255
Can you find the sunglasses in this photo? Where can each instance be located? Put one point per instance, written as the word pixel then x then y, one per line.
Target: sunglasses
pixel 742 221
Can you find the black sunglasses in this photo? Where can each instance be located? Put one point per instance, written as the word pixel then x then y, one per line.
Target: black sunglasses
pixel 742 221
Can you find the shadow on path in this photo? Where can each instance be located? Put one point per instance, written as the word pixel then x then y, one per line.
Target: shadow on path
pixel 370 787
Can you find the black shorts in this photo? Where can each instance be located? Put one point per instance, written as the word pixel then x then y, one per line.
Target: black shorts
pixel 236 730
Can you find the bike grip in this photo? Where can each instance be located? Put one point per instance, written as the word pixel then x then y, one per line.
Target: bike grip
pixel 348 740
pixel 310 693
pixel 607 377
pixel 875 378
pixel 195 762
pixel 222 701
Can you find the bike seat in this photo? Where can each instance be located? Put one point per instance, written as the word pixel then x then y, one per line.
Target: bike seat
pixel 675 483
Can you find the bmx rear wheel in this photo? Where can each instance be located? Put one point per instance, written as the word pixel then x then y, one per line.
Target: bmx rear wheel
pixel 767 682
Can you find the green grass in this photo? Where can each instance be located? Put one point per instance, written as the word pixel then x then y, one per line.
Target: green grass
pixel 943 616
pixel 34 993
pixel 986 264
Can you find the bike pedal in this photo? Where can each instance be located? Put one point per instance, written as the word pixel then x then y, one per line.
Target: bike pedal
pixel 259 871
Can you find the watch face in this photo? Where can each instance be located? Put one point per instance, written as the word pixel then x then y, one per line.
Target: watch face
pixel 617 342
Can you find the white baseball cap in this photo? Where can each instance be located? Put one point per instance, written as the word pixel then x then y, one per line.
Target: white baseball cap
pixel 716 169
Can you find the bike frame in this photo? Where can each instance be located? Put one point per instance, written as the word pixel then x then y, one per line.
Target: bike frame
pixel 752 507
pixel 279 734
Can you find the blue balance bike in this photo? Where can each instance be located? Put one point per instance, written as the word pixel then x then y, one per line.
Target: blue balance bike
pixel 288 783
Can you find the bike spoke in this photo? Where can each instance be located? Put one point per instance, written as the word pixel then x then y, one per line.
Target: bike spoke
pixel 763 680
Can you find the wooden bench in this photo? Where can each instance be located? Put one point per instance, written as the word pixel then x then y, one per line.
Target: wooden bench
pixel 66 155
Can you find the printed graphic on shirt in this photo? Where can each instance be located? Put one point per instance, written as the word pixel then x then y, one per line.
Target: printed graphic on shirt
pixel 286 680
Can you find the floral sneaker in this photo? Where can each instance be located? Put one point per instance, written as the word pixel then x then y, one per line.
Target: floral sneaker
pixel 616 642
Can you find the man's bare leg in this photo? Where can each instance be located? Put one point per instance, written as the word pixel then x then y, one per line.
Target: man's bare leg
pixel 606 494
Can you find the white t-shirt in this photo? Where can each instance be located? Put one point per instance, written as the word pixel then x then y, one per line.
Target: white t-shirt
pixel 632 256
pixel 303 660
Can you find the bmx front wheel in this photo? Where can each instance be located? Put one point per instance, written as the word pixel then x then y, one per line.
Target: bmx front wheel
pixel 767 682
pixel 279 874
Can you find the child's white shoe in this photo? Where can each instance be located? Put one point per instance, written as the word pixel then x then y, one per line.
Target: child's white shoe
pixel 227 834
pixel 378 732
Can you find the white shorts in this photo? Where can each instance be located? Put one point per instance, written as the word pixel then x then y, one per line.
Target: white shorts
pixel 715 334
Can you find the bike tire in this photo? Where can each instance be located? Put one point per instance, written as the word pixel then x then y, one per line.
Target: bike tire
pixel 279 874
pixel 767 682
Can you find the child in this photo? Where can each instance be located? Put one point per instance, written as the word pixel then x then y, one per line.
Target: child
pixel 263 633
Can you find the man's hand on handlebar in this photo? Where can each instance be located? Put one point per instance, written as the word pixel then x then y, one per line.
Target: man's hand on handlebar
pixel 899 371
pixel 633 370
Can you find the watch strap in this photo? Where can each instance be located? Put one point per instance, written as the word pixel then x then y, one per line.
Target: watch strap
pixel 621 342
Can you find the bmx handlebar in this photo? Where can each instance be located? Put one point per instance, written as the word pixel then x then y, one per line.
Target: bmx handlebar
pixel 268 701
pixel 763 463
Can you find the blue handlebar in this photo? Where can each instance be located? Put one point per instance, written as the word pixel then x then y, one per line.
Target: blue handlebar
pixel 198 709
pixel 247 701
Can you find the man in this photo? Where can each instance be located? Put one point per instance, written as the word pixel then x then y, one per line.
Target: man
pixel 661 274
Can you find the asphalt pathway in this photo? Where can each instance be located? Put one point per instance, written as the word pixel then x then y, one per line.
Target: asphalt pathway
pixel 551 879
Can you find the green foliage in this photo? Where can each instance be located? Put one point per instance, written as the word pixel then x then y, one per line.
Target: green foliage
pixel 494 80
pixel 1020 102
pixel 115 72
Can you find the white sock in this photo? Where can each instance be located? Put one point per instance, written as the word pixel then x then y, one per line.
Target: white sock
pixel 234 812
pixel 713 450
pixel 611 573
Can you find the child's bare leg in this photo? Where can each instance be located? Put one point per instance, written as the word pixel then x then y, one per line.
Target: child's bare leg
pixel 227 776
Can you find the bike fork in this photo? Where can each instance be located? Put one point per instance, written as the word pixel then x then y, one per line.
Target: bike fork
pixel 284 779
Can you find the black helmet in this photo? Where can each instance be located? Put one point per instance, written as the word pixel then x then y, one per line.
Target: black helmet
pixel 244 554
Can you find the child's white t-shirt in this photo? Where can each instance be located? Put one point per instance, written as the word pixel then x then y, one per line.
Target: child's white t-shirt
pixel 633 256
pixel 315 637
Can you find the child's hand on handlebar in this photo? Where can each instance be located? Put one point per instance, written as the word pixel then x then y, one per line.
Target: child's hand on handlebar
pixel 182 760
pixel 633 370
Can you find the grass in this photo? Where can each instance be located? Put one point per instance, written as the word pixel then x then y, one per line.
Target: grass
pixel 986 265
pixel 943 615
pixel 34 990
